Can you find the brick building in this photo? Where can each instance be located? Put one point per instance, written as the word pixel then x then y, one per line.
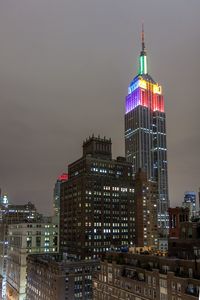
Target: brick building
pixel 54 278
pixel 187 244
pixel 97 205
pixel 143 277
pixel 177 215
pixel 145 208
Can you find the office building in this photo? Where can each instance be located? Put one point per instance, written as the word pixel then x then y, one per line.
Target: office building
pixel 190 202
pixel 145 133
pixel 27 239
pixel 97 205
pixel 3 199
pixel 145 277
pixel 186 243
pixel 1 285
pixel 12 214
pixel 55 278
pixel 56 195
pixel 177 215
pixel 145 207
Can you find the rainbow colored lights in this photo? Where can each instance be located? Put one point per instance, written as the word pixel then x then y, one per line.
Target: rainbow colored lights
pixel 135 84
pixel 144 93
pixel 157 89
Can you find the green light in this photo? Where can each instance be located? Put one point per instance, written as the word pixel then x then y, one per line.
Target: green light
pixel 143 64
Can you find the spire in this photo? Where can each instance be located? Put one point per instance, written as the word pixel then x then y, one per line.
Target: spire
pixel 143 44
pixel 143 55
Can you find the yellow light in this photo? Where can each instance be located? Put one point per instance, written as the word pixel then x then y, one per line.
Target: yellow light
pixel 143 84
pixel 157 89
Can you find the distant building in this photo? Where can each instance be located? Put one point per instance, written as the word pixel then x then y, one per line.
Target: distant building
pixel 53 278
pixel 163 245
pixel 190 207
pixel 12 214
pixel 199 199
pixel 97 202
pixel 15 213
pixel 177 216
pixel 145 207
pixel 186 245
pixel 4 200
pixel 26 239
pixel 190 202
pixel 56 195
pixel 1 284
pixel 145 277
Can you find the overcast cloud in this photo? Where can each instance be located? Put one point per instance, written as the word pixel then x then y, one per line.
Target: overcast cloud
pixel 65 66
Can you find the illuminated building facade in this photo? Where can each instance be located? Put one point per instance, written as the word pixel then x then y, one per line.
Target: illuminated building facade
pixel 145 207
pixel 97 210
pixel 3 199
pixel 12 214
pixel 145 132
pixel 56 195
pixel 190 202
pixel 55 278
pixel 177 215
pixel 27 239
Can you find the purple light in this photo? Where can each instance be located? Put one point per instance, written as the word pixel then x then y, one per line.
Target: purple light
pixel 133 100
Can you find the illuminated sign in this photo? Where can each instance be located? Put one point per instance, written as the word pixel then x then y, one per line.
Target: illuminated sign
pixel 157 89
pixel 63 177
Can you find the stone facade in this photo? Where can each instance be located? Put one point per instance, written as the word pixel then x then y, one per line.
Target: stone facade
pixel 143 277
pixel 53 278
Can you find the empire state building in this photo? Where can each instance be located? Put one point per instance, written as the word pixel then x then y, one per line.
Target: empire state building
pixel 145 132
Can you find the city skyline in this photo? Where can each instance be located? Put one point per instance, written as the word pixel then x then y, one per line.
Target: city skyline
pixel 62 80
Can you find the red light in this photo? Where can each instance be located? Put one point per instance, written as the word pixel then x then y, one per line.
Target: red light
pixel 158 103
pixel 63 177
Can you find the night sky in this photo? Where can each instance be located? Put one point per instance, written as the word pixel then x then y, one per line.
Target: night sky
pixel 65 66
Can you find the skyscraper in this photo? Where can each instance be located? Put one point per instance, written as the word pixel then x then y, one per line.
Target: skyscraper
pixel 145 206
pixel 12 214
pixel 56 194
pixel 190 197
pixel 145 132
pixel 97 202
